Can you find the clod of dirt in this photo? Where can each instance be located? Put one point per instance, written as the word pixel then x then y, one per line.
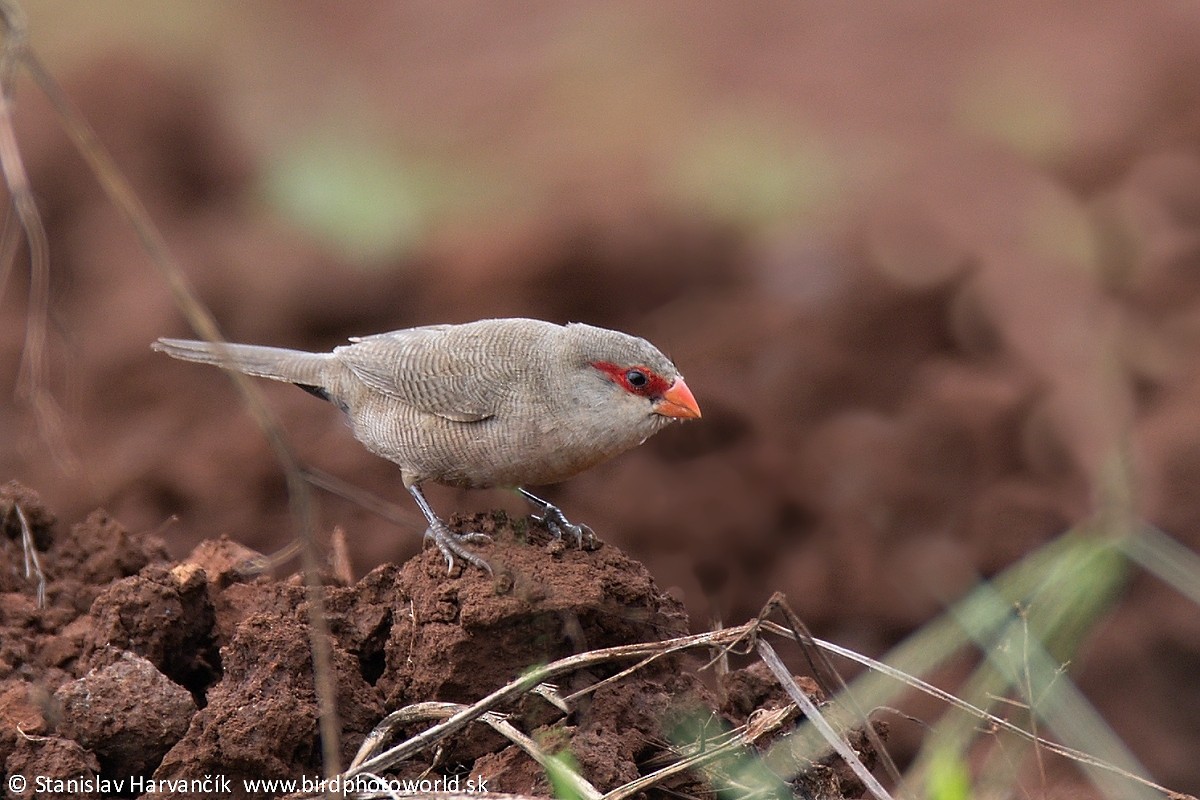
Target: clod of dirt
pixel 100 549
pixel 457 637
pixel 65 764
pixel 19 503
pixel 22 714
pixel 40 648
pixel 755 687
pixel 620 727
pixel 112 691
pixel 262 718
pixel 226 562
pixel 128 713
pixel 163 615
pixel 833 777
pixel 416 633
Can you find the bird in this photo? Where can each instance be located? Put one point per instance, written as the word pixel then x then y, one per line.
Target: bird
pixel 494 403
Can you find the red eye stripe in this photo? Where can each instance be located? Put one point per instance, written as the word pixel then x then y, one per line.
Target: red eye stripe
pixel 654 386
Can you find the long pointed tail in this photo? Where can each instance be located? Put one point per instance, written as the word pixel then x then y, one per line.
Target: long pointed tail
pixel 276 363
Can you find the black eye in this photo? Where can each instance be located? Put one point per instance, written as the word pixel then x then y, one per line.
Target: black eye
pixel 637 379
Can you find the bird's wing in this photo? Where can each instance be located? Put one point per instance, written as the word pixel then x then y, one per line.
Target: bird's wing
pixel 432 369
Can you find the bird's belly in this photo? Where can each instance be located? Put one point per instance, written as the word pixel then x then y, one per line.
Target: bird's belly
pixel 491 452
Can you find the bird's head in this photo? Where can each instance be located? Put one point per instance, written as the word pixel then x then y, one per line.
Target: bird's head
pixel 636 374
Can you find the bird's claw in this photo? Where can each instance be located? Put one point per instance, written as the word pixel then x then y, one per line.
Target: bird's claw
pixel 452 544
pixel 558 524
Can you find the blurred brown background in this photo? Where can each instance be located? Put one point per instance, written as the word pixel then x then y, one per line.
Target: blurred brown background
pixel 926 266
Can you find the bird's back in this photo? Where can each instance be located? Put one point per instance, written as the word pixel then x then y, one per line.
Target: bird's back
pixel 492 403
pixel 496 402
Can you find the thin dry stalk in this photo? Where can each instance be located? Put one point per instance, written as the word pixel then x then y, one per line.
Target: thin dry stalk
pixel 359 497
pixel 829 678
pixel 736 742
pixel 835 740
pixel 646 653
pixel 920 685
pixel 368 761
pixel 10 240
pixel 732 743
pixel 515 689
pixel 549 692
pixel 32 384
pixel 16 54
pixel 33 564
pixel 420 712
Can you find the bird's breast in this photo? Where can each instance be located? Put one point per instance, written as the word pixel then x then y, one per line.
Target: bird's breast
pixel 515 447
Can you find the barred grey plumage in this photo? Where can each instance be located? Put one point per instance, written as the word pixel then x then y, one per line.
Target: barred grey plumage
pixel 501 402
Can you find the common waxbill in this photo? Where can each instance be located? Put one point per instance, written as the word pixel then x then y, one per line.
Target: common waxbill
pixel 499 402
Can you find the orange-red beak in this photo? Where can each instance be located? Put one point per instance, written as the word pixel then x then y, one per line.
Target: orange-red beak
pixel 677 401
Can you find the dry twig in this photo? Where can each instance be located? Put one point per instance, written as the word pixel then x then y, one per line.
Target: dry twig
pixel 16 54
pixel 372 759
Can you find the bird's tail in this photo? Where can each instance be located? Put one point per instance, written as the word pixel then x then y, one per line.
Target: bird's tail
pixel 276 363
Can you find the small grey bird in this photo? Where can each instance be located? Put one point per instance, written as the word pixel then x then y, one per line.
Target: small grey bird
pixel 499 402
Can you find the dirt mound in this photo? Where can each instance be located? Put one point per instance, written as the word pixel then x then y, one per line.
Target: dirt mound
pixel 142 669
pixel 911 368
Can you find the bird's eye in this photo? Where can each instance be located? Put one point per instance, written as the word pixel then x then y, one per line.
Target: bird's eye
pixel 640 380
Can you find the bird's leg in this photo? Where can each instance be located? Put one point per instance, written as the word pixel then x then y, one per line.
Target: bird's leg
pixel 450 543
pixel 554 519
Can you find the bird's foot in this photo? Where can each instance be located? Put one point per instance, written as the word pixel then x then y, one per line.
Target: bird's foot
pixel 455 544
pixel 558 524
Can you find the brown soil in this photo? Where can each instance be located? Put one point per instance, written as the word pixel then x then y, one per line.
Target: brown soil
pixel 142 667
pixel 910 378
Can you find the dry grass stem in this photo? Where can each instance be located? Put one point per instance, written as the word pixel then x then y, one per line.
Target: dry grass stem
pixel 455 717
pixel 33 564
pixel 420 712
pixel 17 55
pixel 991 719
pixel 32 381
pixel 813 714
